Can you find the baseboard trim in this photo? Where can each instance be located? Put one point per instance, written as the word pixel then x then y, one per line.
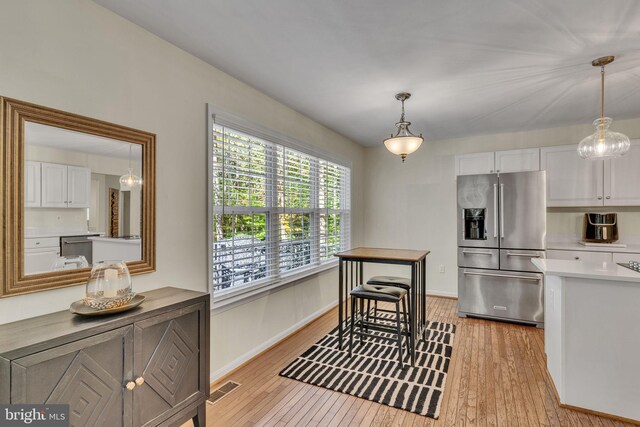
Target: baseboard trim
pixel 239 362
pixel 443 294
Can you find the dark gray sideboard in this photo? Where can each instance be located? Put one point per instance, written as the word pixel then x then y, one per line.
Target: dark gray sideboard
pixel 145 367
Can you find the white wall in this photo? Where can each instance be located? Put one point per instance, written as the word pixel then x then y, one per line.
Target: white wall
pixel 413 205
pixel 76 56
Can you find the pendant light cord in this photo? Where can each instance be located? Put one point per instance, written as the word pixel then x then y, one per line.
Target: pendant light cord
pixel 602 103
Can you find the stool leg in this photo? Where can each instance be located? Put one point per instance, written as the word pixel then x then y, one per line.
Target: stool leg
pixel 375 309
pixel 353 319
pixel 399 334
pixel 368 310
pixel 407 318
pixel 361 318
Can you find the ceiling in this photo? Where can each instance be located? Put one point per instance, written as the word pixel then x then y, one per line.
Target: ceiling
pixel 473 67
pixel 48 136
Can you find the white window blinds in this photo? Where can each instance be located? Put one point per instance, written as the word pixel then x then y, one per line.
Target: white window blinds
pixel 275 210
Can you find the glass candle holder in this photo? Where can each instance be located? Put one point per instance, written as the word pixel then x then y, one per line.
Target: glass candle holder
pixel 109 285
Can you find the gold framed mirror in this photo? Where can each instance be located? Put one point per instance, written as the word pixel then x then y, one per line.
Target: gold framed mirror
pixel 75 191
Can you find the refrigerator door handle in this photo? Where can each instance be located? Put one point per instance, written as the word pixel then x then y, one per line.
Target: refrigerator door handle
pixel 495 210
pixel 504 276
pixel 502 211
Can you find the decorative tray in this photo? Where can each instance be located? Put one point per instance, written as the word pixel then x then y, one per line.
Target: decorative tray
pixel 79 307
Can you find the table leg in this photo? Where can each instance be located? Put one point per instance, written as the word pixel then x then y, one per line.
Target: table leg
pixel 414 313
pixel 424 292
pixel 340 302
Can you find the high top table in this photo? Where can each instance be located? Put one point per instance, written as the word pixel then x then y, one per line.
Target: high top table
pixel 351 275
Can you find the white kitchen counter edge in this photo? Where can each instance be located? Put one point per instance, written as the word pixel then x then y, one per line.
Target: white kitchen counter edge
pixel 575 246
pixel 586 270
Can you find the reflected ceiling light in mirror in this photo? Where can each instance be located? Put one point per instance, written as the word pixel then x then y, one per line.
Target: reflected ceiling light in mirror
pixel 603 143
pixel 404 142
pixel 129 181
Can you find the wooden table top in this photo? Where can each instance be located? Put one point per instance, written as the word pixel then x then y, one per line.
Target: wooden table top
pixel 406 255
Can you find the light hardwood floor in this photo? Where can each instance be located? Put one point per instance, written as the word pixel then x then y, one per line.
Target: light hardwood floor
pixel 497 377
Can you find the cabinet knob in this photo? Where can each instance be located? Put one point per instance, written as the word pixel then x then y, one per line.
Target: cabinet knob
pixel 608 197
pixel 577 257
pixel 130 385
pixel 139 381
pixel 491 171
pixel 599 197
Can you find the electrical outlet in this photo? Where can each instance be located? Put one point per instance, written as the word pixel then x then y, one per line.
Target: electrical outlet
pixel 441 268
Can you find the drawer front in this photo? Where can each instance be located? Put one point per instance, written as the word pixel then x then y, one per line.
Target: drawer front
pixel 509 295
pixel 625 257
pixel 580 255
pixel 46 242
pixel 479 258
pixel 519 260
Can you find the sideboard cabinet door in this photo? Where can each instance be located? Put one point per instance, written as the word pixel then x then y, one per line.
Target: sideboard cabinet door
pixel 169 363
pixel 89 374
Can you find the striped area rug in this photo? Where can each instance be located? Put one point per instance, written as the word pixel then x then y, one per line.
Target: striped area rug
pixel 373 373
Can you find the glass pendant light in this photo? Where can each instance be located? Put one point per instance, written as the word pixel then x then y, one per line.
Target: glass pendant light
pixel 404 142
pixel 603 143
pixel 130 181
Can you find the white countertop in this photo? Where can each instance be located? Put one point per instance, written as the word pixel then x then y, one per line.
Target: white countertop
pixel 575 246
pixel 117 240
pixel 44 234
pixel 587 270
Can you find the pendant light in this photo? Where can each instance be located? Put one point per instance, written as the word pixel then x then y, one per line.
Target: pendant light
pixel 129 181
pixel 603 143
pixel 404 142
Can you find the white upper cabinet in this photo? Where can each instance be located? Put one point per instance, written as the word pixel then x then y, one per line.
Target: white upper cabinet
pixel 64 186
pixel 54 185
pixel 571 180
pixel 518 160
pixel 622 178
pixel 475 163
pixel 32 184
pixel 499 161
pixel 79 187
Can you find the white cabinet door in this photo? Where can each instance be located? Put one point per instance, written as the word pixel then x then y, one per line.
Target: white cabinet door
pixel 54 185
pixel 32 184
pixel 518 160
pixel 474 163
pixel 79 187
pixel 571 180
pixel 39 260
pixel 580 255
pixel 622 178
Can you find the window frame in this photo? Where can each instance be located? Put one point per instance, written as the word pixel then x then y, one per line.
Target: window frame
pixel 238 294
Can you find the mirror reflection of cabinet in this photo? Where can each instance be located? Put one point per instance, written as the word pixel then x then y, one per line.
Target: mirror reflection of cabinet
pixel 58 166
pixel 51 185
pixel 32 187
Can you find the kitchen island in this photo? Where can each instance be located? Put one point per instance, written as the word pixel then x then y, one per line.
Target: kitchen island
pixel 592 342
pixel 116 248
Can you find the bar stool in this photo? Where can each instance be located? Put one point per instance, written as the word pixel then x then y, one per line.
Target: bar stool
pixel 377 293
pixel 396 282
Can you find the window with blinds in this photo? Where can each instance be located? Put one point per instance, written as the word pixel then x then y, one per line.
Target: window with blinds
pixel 276 211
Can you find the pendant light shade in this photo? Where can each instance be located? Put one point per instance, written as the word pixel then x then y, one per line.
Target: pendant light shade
pixel 403 142
pixel 603 143
pixel 129 181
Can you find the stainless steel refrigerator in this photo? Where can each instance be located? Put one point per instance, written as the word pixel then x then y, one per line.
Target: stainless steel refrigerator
pixel 501 226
